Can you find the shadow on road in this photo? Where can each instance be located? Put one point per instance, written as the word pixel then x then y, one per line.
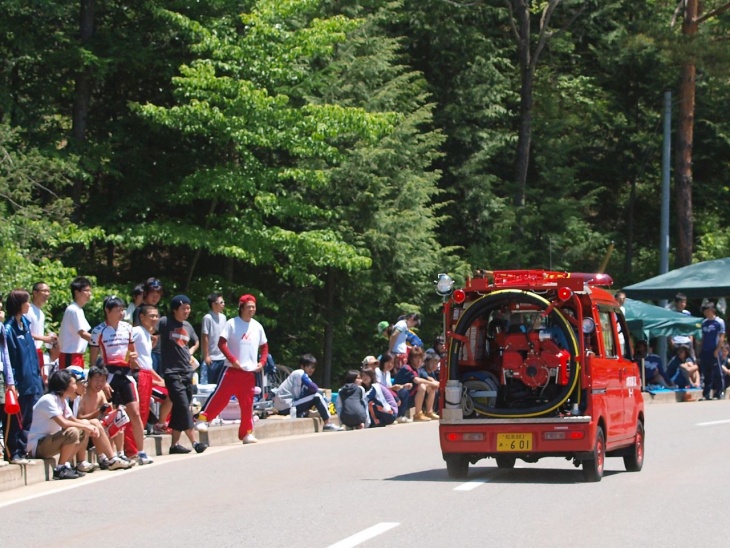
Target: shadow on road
pixel 495 475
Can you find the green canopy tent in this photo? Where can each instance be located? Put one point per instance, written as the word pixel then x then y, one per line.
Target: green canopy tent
pixel 647 321
pixel 706 279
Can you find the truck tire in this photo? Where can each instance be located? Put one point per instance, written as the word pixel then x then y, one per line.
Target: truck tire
pixel 593 468
pixel 457 465
pixel 505 461
pixel 635 461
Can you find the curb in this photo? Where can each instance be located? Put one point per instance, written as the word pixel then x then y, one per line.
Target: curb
pixel 14 476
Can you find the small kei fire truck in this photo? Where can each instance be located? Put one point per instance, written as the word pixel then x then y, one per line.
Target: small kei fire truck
pixel 539 365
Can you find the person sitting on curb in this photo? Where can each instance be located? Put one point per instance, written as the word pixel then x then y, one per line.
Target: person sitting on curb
pixel 424 390
pixel 653 368
pixel 352 404
pixel 55 431
pixel 382 409
pixel 94 407
pixel 684 371
pixel 299 391
pixel 401 392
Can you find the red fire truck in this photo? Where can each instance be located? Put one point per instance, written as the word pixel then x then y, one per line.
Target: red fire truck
pixel 539 365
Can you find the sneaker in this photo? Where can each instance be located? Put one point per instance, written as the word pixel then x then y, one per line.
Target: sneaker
pixel 202 426
pixel 65 472
pixel 331 427
pixel 3 462
pixel 143 459
pixel 104 464
pixel 200 447
pixel 433 415
pixel 421 417
pixel 403 420
pixel 86 466
pixel 250 438
pixel 178 449
pixel 117 464
pixel 79 473
pixel 20 460
pixel 131 462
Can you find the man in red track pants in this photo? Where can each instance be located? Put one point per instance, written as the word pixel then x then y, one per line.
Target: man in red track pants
pixel 241 341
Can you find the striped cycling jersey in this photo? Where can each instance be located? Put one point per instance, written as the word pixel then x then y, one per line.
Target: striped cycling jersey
pixel 113 343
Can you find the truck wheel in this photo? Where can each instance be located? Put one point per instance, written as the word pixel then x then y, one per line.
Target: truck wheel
pixel 505 461
pixel 593 468
pixel 457 466
pixel 635 460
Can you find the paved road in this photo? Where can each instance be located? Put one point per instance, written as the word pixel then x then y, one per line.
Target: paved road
pixel 391 485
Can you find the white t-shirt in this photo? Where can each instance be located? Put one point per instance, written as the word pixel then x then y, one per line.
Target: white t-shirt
pixel 143 344
pixel 383 377
pixel 37 320
pixel 244 339
pixel 73 321
pixel 400 347
pixel 213 327
pixel 113 343
pixel 43 425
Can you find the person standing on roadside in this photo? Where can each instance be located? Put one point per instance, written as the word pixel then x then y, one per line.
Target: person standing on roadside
pixel 213 324
pixel 242 342
pixel 37 319
pixel 398 346
pixel 151 294
pixel 74 336
pixel 113 339
pixel 26 373
pixel 713 337
pixel 176 334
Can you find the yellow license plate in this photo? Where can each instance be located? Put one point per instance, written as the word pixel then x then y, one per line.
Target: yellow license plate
pixel 514 442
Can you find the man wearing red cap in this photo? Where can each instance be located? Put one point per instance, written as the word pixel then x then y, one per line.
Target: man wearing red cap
pixel 241 341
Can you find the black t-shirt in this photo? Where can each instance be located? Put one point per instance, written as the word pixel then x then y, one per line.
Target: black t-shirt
pixel 175 338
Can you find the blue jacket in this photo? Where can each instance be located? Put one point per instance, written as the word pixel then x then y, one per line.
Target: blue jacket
pixel 23 358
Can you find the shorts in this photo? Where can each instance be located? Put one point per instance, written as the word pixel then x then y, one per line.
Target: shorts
pixel 67 360
pixel 125 388
pixel 50 446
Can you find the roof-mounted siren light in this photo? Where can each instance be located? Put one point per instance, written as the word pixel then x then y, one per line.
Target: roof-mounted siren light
pixel 444 285
pixel 564 293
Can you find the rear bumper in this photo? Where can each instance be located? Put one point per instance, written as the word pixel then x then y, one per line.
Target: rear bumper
pixel 568 436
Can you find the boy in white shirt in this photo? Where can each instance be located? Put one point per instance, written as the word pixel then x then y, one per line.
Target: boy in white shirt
pixel 75 332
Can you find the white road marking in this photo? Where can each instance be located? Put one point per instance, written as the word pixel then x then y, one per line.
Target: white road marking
pixel 712 423
pixel 469 485
pixel 367 534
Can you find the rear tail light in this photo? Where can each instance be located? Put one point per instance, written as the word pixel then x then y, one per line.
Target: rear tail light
pixel 465 436
pixel 564 435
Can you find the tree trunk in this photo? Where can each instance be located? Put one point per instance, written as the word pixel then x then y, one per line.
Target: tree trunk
pixel 82 92
pixel 82 96
pixel 329 326
pixel 524 137
pixel 685 136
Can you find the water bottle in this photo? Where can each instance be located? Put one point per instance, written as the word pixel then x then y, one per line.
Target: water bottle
pixel 293 412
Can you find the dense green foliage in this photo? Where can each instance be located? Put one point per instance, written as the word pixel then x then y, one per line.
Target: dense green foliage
pixel 333 156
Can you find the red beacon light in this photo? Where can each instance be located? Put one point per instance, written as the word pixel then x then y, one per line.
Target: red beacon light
pixel 459 296
pixel 565 293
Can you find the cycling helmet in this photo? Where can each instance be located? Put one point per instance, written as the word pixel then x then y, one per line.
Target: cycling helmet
pixel 77 372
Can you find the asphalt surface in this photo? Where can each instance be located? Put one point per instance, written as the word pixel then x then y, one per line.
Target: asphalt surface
pixel 389 487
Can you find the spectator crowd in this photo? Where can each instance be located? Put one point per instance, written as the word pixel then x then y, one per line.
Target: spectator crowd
pixel 104 387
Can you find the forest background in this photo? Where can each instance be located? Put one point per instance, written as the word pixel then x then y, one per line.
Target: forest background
pixel 332 157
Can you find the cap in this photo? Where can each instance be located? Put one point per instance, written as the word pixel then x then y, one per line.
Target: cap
pixel 382 326
pixel 370 360
pixel 152 284
pixel 77 372
pixel 246 298
pixel 179 300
